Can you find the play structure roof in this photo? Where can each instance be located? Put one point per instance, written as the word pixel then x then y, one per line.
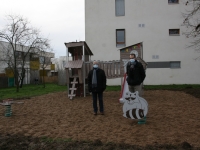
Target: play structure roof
pixel 80 43
pixel 74 64
pixel 130 46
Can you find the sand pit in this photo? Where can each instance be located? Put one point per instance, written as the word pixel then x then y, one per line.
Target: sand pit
pixel 173 118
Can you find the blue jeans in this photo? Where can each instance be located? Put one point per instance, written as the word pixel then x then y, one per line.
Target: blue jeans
pixel 100 97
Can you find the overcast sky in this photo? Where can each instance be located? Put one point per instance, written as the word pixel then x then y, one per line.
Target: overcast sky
pixel 59 20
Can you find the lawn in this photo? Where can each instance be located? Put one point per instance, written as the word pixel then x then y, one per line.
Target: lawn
pixel 35 90
pixel 30 90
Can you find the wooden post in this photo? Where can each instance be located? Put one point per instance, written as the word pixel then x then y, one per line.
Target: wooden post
pixel 67 71
pixel 84 71
pixel 109 69
pixel 118 68
pixel 113 69
pixel 67 75
pixel 80 76
pixel 105 68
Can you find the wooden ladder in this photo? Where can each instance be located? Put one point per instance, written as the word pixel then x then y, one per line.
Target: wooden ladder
pixel 72 89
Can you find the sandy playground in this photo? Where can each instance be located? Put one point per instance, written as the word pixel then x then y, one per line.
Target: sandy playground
pixel 173 117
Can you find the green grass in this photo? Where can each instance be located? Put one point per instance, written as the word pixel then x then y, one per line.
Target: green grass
pixel 113 88
pixel 35 90
pixel 159 87
pixel 30 90
pixel 171 87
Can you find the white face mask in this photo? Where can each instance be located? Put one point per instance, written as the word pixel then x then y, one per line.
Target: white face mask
pixel 95 66
pixel 132 60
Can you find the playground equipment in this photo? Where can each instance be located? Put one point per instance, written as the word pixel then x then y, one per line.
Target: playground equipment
pixel 78 67
pixel 79 64
pixel 134 106
pixel 8 106
pixel 79 53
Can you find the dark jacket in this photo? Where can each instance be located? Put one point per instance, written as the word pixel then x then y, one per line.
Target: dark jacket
pixel 101 81
pixel 137 76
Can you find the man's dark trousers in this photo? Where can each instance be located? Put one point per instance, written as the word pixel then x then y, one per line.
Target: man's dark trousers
pixel 98 95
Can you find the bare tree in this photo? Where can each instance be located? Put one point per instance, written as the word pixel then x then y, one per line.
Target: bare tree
pixel 192 23
pixel 45 56
pixel 60 68
pixel 23 39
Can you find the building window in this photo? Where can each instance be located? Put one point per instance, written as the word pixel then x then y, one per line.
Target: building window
pixel 34 57
pixel 175 64
pixel 119 7
pixel 18 55
pixel 64 64
pixel 164 64
pixel 173 1
pixel 174 31
pixel 42 59
pixel 120 37
pixel 141 25
pixel 155 56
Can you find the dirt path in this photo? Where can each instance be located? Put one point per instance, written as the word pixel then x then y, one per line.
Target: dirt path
pixel 173 118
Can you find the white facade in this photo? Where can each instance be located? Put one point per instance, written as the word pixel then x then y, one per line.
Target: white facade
pixel 146 21
pixel 5 48
pixel 60 62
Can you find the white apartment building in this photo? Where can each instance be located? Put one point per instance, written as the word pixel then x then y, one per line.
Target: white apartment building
pixel 41 59
pixel 113 24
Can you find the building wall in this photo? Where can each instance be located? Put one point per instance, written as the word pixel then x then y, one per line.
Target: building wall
pixel 30 75
pixel 60 69
pixel 158 17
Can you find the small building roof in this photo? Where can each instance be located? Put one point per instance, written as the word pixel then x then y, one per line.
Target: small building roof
pixel 74 64
pixel 80 43
pixel 130 46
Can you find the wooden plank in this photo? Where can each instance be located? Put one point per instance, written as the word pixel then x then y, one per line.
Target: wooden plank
pixel 72 91
pixel 72 95
pixel 118 69
pixel 80 76
pixel 74 44
pixel 113 68
pixel 67 75
pixel 73 88
pixel 74 82
pixel 86 68
pixel 109 72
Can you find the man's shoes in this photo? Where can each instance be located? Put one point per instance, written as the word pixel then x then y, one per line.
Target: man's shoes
pixel 95 113
pixel 101 113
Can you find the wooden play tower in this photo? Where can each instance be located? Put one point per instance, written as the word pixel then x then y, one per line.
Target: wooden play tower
pixel 79 64
pixel 77 54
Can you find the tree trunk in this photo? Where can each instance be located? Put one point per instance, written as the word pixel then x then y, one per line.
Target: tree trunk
pixel 16 81
pixel 43 79
pixel 22 79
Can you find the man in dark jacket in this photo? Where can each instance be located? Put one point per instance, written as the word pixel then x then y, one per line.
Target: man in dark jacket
pixel 96 85
pixel 136 74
